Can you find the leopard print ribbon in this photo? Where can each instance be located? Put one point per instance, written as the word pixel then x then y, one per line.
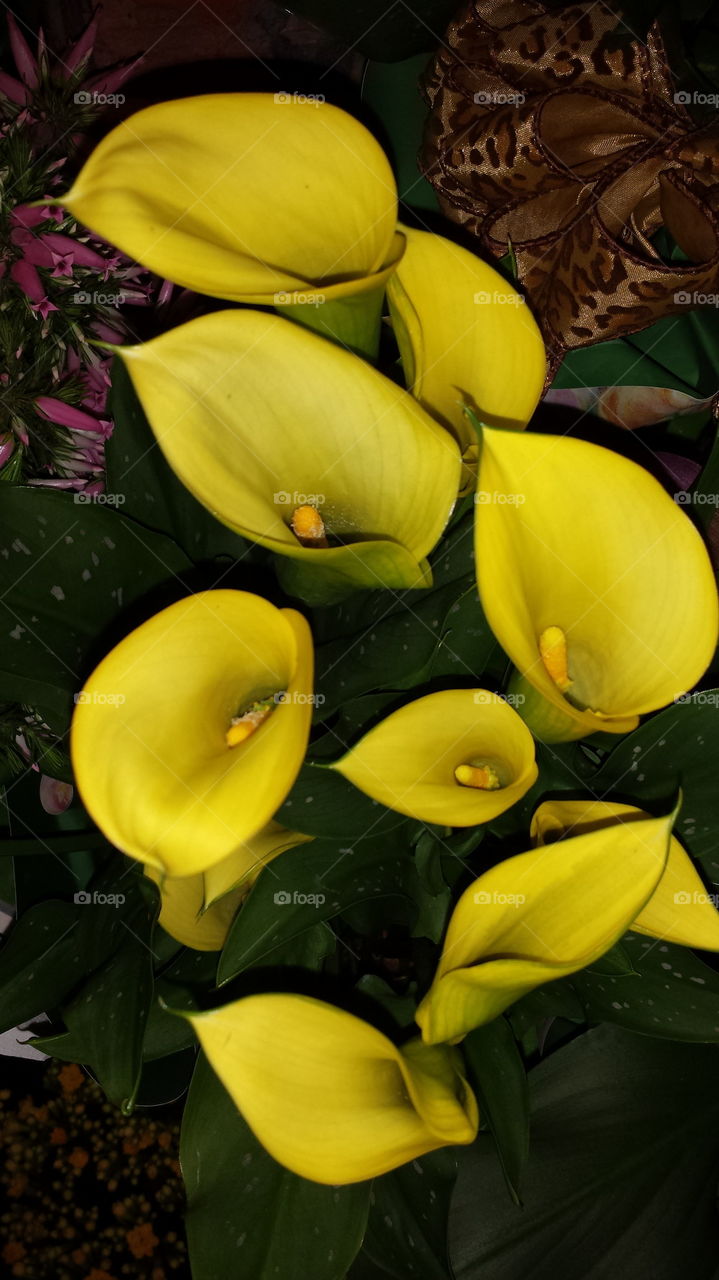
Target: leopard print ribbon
pixel 550 136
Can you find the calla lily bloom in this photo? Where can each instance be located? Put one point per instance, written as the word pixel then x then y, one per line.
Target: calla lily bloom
pixel 253 197
pixel 679 910
pixel 328 1095
pixel 595 583
pixel 459 757
pixel 465 336
pixel 300 446
pixel 540 916
pixel 182 748
pixel 198 910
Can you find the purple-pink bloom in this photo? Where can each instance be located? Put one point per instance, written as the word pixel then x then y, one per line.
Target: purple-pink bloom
pixel 82 48
pixel 55 796
pixel 7 447
pixel 26 277
pixel 25 60
pixel 67 415
pixel 14 89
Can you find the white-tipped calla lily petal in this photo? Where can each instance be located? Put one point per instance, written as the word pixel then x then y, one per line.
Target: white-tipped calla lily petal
pixel 411 760
pixel 328 1095
pixel 540 916
pixel 576 549
pixel 260 418
pixel 680 910
pixel 154 728
pixel 244 196
pixel 465 336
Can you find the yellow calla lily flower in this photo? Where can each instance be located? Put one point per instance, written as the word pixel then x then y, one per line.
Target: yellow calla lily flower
pixel 540 916
pixel 198 910
pixel 245 196
pixel 574 548
pixel 328 1095
pixel 182 751
pixel 679 910
pixel 300 446
pixel 459 757
pixel 465 337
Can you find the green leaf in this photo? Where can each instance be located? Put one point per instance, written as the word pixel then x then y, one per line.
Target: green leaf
pixel 323 803
pixel 363 1268
pixel 401 1008
pixel 453 558
pixel 427 634
pixel 622 1178
pixel 40 962
pixel 165 1080
pixel 302 887
pixel 705 493
pixel 66 571
pixel 106 1019
pixel 614 963
pixel 407 1228
pixel 247 1215
pixel 679 352
pixel 62 844
pixel 165 1033
pixel 497 1074
pixel 151 492
pixel 676 749
pixel 671 993
pixel 562 767
pixel 393 92
pixel 388 33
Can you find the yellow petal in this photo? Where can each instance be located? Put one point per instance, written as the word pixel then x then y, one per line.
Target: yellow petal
pixel 465 336
pixel 354 321
pixel 328 1095
pixel 248 860
pixel 149 732
pixel 540 916
pixel 182 916
pixel 409 761
pixel 574 538
pixel 679 910
pixel 258 416
pixel 243 195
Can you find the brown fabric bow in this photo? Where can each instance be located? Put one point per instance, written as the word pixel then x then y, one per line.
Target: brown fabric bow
pixel 549 135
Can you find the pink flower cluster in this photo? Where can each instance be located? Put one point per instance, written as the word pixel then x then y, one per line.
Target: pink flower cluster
pixel 70 283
